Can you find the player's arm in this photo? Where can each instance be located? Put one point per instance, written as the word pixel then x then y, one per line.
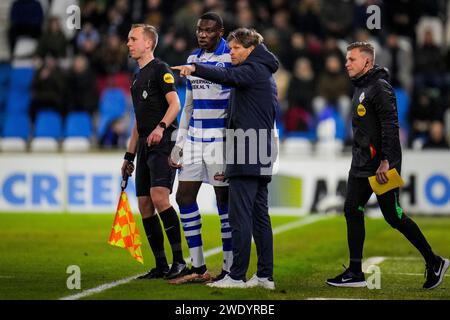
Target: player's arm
pixel 186 115
pixel 127 165
pixel 240 76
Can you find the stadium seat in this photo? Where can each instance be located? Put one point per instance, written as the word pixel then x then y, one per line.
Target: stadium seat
pixel 48 131
pixel 296 146
pixel 25 48
pixel 329 147
pixel 5 72
pixel 21 78
pixel 77 132
pixel 18 100
pixel 112 106
pixel 402 108
pixel 15 132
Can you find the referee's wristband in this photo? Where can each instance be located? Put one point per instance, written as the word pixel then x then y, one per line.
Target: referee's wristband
pixel 129 156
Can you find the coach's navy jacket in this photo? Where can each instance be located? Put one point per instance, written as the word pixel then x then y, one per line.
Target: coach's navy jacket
pixel 253 105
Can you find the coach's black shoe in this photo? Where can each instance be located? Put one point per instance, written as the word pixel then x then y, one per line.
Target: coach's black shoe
pixel 155 273
pixel 435 274
pixel 348 279
pixel 178 269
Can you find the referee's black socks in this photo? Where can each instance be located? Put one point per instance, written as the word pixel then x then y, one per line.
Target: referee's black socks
pixel 155 237
pixel 171 224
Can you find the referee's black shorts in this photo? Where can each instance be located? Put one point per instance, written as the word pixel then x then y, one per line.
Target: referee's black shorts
pixel 152 165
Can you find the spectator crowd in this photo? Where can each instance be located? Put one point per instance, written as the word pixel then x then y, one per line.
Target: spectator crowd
pixel 72 68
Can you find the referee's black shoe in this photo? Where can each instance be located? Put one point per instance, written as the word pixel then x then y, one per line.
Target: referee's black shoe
pixel 348 279
pixel 435 273
pixel 155 273
pixel 178 269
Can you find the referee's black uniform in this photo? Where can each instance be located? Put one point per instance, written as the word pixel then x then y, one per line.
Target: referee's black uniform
pixel 149 87
pixel 376 138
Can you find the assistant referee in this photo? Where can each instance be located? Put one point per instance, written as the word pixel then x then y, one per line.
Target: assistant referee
pixel 156 105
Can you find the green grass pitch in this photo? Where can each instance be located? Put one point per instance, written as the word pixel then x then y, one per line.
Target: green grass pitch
pixel 36 249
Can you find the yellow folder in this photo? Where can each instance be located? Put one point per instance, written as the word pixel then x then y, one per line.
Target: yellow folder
pixel 394 181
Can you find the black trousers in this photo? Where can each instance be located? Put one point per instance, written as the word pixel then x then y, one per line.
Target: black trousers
pixel 358 194
pixel 249 216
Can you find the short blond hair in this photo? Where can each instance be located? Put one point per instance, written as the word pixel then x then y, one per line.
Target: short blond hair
pixel 363 47
pixel 149 31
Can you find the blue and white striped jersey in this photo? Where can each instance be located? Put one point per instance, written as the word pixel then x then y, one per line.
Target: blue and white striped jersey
pixel 209 100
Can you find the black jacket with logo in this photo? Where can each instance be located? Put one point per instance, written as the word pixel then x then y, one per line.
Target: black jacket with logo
pixel 375 124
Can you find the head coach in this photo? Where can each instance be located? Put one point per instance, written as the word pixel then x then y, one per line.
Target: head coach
pixel 252 110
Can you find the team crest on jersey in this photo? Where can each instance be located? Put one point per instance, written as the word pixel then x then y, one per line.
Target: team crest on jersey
pixel 361 110
pixel 168 78
pixel 361 97
pixel 220 64
pixel 144 94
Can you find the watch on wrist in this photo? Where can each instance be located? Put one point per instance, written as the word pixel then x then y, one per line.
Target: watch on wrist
pixel 162 125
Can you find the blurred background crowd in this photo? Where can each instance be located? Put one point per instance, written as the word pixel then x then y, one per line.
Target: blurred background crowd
pixel 59 83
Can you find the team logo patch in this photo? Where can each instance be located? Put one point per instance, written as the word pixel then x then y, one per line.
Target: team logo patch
pixel 220 64
pixel 144 94
pixel 361 110
pixel 168 78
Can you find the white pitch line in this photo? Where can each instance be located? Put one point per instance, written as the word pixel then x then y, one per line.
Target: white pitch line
pixel 208 253
pixel 99 289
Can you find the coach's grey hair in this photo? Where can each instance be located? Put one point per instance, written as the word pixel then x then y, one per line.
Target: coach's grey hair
pixel 149 31
pixel 363 47
pixel 246 37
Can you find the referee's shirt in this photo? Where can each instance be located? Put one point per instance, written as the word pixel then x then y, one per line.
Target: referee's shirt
pixel 149 88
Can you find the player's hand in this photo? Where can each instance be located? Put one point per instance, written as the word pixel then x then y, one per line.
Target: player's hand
pixel 127 168
pixel 176 157
pixel 155 137
pixel 185 70
pixel 219 176
pixel 381 173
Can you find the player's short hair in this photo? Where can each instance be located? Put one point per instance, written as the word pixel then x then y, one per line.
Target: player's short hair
pixel 214 17
pixel 363 47
pixel 246 37
pixel 149 31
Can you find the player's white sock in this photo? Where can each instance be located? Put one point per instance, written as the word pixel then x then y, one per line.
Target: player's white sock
pixel 191 221
pixel 226 238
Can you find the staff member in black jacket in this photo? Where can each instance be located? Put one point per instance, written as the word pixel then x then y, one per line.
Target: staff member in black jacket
pixel 376 149
pixel 250 151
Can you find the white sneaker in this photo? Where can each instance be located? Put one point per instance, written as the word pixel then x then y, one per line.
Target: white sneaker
pixel 227 282
pixel 266 283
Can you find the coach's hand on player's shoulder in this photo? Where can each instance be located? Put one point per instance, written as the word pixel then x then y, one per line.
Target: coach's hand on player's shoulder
pixel 127 168
pixel 175 158
pixel 155 137
pixel 382 170
pixel 185 70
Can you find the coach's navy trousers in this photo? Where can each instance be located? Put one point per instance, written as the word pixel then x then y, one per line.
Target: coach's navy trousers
pixel 249 215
